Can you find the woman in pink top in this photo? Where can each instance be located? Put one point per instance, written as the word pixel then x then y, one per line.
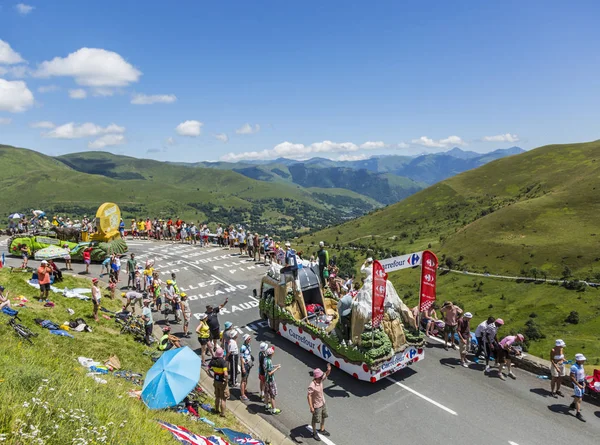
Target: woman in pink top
pixel 503 354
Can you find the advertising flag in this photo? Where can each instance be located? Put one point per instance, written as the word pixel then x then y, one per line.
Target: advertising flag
pixel 379 288
pixel 402 262
pixel 429 266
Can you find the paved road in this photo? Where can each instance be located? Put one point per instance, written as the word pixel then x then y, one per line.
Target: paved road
pixel 434 402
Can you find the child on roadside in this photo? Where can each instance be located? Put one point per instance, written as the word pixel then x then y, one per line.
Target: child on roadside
pixel 138 281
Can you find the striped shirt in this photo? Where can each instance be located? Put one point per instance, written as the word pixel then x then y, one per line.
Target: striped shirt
pixel 489 333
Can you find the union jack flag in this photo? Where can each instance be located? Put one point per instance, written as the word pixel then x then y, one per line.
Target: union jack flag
pixel 186 437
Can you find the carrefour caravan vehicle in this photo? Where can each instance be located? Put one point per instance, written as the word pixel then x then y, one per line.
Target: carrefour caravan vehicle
pixel 299 310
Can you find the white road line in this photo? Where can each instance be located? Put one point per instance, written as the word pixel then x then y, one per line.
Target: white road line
pixel 418 394
pixel 222 281
pixel 512 443
pixel 191 265
pixel 439 340
pixel 323 438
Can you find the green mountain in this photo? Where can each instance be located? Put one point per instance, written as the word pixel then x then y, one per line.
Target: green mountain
pixel 78 183
pixel 534 213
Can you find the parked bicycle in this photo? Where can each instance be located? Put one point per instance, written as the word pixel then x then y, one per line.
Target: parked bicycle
pixel 22 331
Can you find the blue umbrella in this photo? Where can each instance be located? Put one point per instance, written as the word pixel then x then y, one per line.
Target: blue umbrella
pixel 174 375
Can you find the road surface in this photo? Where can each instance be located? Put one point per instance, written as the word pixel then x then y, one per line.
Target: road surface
pixel 434 402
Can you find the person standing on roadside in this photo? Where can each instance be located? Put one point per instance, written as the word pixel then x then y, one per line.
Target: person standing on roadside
pixel 203 332
pixel 255 247
pixel 187 314
pixel 490 341
pixel 463 329
pixel 246 363
pixel 212 319
pixel 148 321
pixel 218 366
pixel 87 258
pixel 316 402
pixel 578 380
pixel 44 272
pixel 131 268
pixel 557 367
pixel 233 356
pixel 262 356
pixel 323 257
pixel 270 385
pixel 451 314
pixel 479 336
pixel 96 296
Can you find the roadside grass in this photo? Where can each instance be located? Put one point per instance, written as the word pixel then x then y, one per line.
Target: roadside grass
pixel 47 397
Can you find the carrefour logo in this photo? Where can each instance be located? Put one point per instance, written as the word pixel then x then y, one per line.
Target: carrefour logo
pixel 413 259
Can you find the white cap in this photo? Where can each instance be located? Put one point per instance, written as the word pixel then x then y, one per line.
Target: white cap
pixel 369 260
pixel 560 343
pixel 321 243
pixel 246 337
pixel 44 262
pixel 468 315
pixel 203 316
pixel 264 346
pixel 580 357
pixel 287 244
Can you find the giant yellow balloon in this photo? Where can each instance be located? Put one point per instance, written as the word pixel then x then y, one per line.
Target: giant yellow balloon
pixel 108 218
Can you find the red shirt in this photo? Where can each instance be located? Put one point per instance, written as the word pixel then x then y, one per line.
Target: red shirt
pixel 86 255
pixel 178 223
pixel 43 275
pixel 170 222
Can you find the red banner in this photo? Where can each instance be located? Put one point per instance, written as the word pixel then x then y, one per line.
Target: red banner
pixel 379 288
pixel 429 267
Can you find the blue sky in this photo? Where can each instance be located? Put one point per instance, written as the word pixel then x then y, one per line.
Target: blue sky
pixel 239 80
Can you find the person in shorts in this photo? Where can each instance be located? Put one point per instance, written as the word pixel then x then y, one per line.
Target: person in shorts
pixel 218 366
pixel 44 272
pixel 262 355
pixel 464 338
pixel 316 402
pixel 450 313
pixel 203 332
pixel 246 363
pixel 578 379
pixel 187 314
pixel 557 367
pixel 212 319
pixel 270 385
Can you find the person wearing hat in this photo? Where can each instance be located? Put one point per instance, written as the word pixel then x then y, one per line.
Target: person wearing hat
pixel 225 335
pixel 232 356
pixel 218 366
pixel 44 272
pixel 367 267
pixel 316 402
pixel 578 379
pixel 203 332
pixel 148 321
pixel 504 353
pixel 131 298
pixel 270 385
pixel 490 340
pixel 323 257
pixel 187 313
pixel 212 320
pixel 557 367
pixel 262 355
pixel 463 329
pixel 95 297
pixel 246 363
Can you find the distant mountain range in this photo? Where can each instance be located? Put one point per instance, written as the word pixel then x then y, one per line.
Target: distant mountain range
pixel 386 179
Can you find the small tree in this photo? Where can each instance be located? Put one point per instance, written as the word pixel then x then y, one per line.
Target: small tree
pixel 534 272
pixel 573 317
pixel 450 264
pixel 566 273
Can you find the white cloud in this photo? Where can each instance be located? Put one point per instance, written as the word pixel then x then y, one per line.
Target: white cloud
pixel 103 92
pixel 48 88
pixel 24 9
pixel 294 151
pixel 8 56
pixel 79 93
pixel 370 145
pixel 5 120
pixel 189 128
pixel 222 137
pixel 74 131
pixel 352 157
pixel 15 97
pixel 108 140
pixel 3 71
pixel 502 138
pixel 248 129
pixel 42 124
pixel 92 67
pixel 144 99
pixel 401 145
pixel 441 143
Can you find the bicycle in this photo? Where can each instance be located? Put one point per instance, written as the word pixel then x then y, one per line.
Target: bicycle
pixel 22 331
pixel 133 325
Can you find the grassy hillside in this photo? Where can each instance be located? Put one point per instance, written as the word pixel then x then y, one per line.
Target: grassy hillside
pixel 47 397
pixel 77 184
pixel 537 210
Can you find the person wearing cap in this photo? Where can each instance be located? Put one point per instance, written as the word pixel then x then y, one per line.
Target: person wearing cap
pixel 367 267
pixel 463 329
pixel 131 298
pixel 246 363
pixel 225 335
pixel 262 355
pixel 4 298
pixel 212 320
pixel 557 367
pixel 173 299
pixel 323 257
pixel 232 356
pixel 44 272
pixel 131 268
pixel 479 336
pixel 450 313
pixel 96 296
pixel 148 321
pixel 316 402
pixel 218 366
pixel 203 332
pixel 490 340
pixel 504 353
pixel 168 341
pixel 187 313
pixel 270 385
pixel 578 379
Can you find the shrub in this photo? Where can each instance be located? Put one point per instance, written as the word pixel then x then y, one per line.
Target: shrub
pixel 532 331
pixel 533 315
pixel 573 317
